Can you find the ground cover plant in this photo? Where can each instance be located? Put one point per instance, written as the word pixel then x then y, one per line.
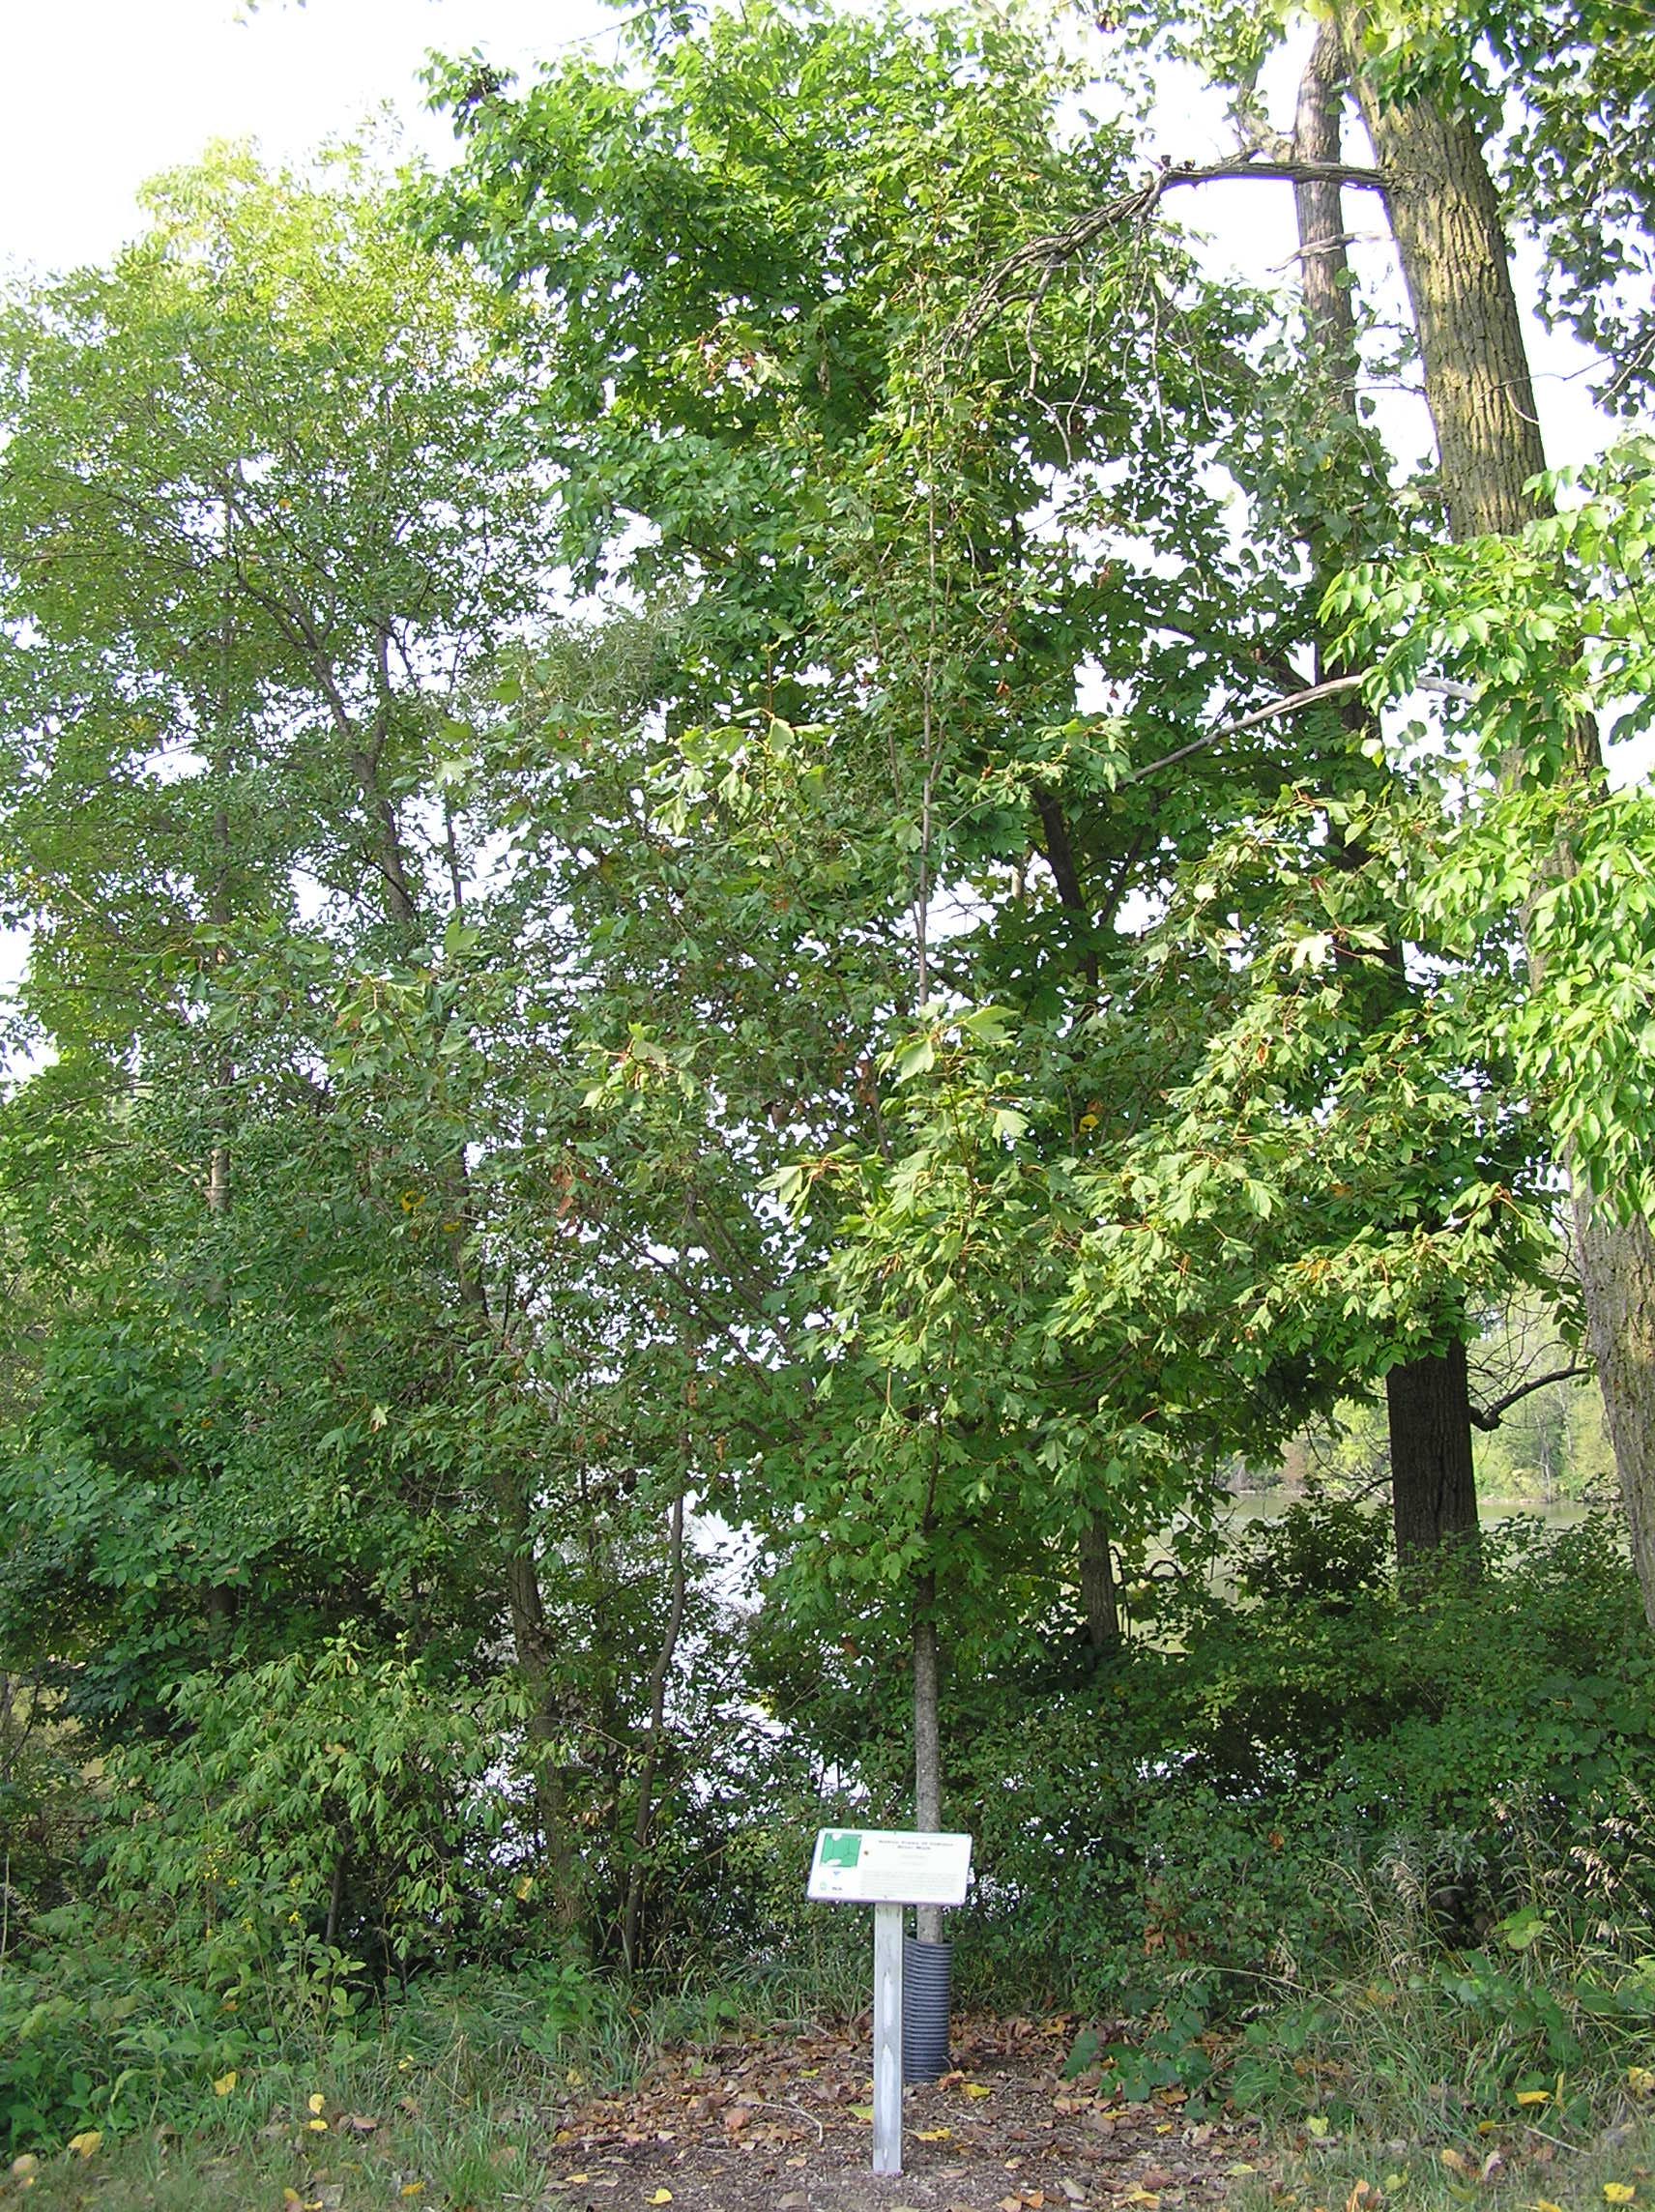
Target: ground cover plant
pixel 776 878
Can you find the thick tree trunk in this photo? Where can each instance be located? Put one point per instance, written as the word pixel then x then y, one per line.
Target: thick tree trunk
pixel 1433 1496
pixel 1100 1601
pixel 1446 218
pixel 927 1737
pixel 1427 1399
pixel 1617 1272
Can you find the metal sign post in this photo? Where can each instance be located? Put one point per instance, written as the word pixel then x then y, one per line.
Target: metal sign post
pixel 888 1868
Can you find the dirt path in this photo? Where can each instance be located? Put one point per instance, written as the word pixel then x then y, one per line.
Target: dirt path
pixel 784 2125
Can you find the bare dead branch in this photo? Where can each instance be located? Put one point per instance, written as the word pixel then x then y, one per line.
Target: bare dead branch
pixel 1029 269
pixel 1291 705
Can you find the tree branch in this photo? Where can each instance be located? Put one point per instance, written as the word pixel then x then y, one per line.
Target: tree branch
pixel 1334 685
pixel 1041 257
pixel 1488 1417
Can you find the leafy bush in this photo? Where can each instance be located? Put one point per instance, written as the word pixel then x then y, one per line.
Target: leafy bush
pixel 1204 1825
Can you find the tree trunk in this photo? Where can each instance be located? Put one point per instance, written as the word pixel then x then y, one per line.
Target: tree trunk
pixel 1324 266
pixel 1617 1272
pixel 1445 218
pixel 652 1756
pixel 1427 1397
pixel 1100 1601
pixel 927 1738
pixel 1444 215
pixel 1433 1496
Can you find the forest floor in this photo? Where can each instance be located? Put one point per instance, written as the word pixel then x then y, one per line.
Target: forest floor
pixel 780 2120
pixel 783 2124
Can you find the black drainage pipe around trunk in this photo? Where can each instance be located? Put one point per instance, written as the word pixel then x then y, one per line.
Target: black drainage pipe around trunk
pixel 925 1970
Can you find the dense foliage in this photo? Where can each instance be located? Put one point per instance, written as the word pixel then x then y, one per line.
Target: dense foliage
pixel 775 882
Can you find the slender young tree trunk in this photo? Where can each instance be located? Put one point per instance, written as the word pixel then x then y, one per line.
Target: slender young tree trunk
pixel 927 1738
pixel 1428 1400
pixel 1445 218
pixel 1324 265
pixel 220 1597
pixel 532 1642
pixel 652 1756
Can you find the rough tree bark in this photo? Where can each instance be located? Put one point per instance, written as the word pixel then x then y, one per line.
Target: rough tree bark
pixel 1446 218
pixel 1428 1399
pixel 1100 1599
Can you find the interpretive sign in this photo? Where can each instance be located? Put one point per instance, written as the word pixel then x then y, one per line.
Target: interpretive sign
pixel 888 1868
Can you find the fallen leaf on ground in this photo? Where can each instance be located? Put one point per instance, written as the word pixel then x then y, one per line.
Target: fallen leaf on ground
pixel 1619 2192
pixel 85 2145
pixel 225 2082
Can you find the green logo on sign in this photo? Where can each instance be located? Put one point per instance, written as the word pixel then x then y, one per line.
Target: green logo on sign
pixel 840 1851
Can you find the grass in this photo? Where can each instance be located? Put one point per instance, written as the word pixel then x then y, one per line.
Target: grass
pixel 454 2104
pixel 1508 2168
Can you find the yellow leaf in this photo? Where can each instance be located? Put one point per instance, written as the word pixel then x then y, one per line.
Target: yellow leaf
pixel 1545 2204
pixel 1143 2197
pixel 931 2134
pixel 317 2126
pixel 412 2189
pixel 1641 2081
pixel 85 2145
pixel 225 2082
pixel 1316 2125
pixel 1619 2192
pixel 316 2101
pixel 573 2180
pixel 861 2112
pixel 660 2196
pixel 1534 2096
pixel 1453 2161
pixel 978 2090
